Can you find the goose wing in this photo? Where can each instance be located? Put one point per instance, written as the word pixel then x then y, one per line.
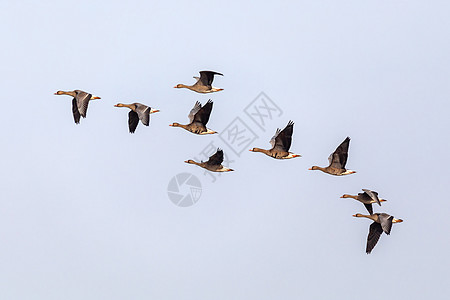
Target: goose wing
pixel 375 232
pixel 143 112
pixel 194 110
pixel 373 195
pixel 206 78
pixel 82 99
pixel 133 121
pixel 338 159
pixel 216 159
pixel 386 222
pixel 369 208
pixel 202 115
pixel 283 138
pixel 75 111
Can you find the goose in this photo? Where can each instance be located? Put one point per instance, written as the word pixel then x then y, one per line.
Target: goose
pixel 80 103
pixel 198 117
pixel 366 198
pixel 337 160
pixel 381 222
pixel 138 112
pixel 203 84
pixel 214 163
pixel 281 142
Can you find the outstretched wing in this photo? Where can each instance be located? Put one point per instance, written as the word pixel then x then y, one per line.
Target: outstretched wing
pixel 207 77
pixel 76 113
pixel 338 159
pixel 369 208
pixel 273 140
pixel 373 195
pixel 386 222
pixel 375 232
pixel 143 112
pixel 216 159
pixel 194 110
pixel 203 113
pixel 283 139
pixel 133 121
pixel 82 102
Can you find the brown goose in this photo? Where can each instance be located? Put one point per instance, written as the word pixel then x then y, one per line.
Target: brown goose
pixel 214 163
pixel 203 84
pixel 337 160
pixel 80 103
pixel 281 142
pixel 138 112
pixel 381 222
pixel 366 198
pixel 199 117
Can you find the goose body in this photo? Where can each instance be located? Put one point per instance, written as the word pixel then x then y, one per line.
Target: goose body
pixel 80 103
pixel 337 160
pixel 203 84
pixel 367 198
pixel 137 112
pixel 213 164
pixel 281 142
pixel 199 117
pixel 382 222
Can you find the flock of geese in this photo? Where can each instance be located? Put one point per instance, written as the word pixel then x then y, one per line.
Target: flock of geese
pixel 281 143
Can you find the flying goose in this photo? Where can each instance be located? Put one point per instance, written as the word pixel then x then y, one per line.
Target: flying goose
pixel 138 112
pixel 281 142
pixel 381 222
pixel 198 117
pixel 337 160
pixel 214 163
pixel 366 198
pixel 80 103
pixel 203 84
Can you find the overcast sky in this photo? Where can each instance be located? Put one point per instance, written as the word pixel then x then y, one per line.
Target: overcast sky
pixel 85 212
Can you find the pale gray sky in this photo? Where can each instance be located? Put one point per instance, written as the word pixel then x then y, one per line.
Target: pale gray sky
pixel 84 208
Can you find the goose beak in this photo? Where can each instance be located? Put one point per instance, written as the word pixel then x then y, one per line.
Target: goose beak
pixel 186 161
pixel 170 125
pixel 310 169
pixel 55 93
pixel 353 215
pixel 342 196
pixel 175 87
